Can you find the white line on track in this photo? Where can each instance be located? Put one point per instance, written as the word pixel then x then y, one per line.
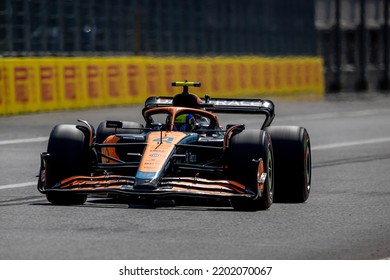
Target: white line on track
pixel 350 144
pixel 20 185
pixel 23 141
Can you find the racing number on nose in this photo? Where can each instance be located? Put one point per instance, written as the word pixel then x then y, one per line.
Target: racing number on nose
pixel 165 139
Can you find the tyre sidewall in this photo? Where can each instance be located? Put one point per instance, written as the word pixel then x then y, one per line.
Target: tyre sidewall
pixel 292 163
pixel 245 151
pixel 68 150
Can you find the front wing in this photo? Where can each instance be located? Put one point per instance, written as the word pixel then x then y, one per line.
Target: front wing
pixel 168 187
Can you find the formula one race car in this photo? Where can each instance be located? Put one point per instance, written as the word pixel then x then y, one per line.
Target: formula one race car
pixel 180 152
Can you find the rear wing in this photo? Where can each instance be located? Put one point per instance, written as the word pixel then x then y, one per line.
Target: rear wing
pixel 220 105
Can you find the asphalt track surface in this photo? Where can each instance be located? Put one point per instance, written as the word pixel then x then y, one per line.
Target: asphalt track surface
pixel 347 215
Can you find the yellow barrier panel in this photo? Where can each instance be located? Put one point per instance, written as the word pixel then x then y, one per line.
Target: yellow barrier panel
pixel 318 76
pixel 254 75
pixel 71 87
pixel 135 82
pixel 46 80
pixel 279 75
pixel 41 84
pixel 215 67
pixel 203 74
pixel 21 86
pixel 153 68
pixel 289 77
pixel 114 82
pixel 5 107
pixel 243 75
pixel 93 71
pixel 227 77
pixel 268 76
pixel 170 69
pixel 3 104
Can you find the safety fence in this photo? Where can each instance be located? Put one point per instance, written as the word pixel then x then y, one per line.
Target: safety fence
pixel 56 83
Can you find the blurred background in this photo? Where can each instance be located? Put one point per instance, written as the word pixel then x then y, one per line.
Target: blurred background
pixel 351 36
pixel 180 27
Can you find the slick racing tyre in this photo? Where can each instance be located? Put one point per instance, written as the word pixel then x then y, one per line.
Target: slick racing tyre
pixel 250 154
pixel 103 132
pixel 68 150
pixel 292 163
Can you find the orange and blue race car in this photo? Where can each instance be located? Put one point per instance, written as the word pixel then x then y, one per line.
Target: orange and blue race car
pixel 180 152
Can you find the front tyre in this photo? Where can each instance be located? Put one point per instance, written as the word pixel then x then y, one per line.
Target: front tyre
pixel 68 150
pixel 292 163
pixel 251 163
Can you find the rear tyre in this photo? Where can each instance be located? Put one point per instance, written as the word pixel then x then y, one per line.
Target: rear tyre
pixel 103 132
pixel 245 167
pixel 292 163
pixel 68 150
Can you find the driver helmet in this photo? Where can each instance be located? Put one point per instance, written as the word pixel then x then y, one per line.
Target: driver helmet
pixel 183 122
